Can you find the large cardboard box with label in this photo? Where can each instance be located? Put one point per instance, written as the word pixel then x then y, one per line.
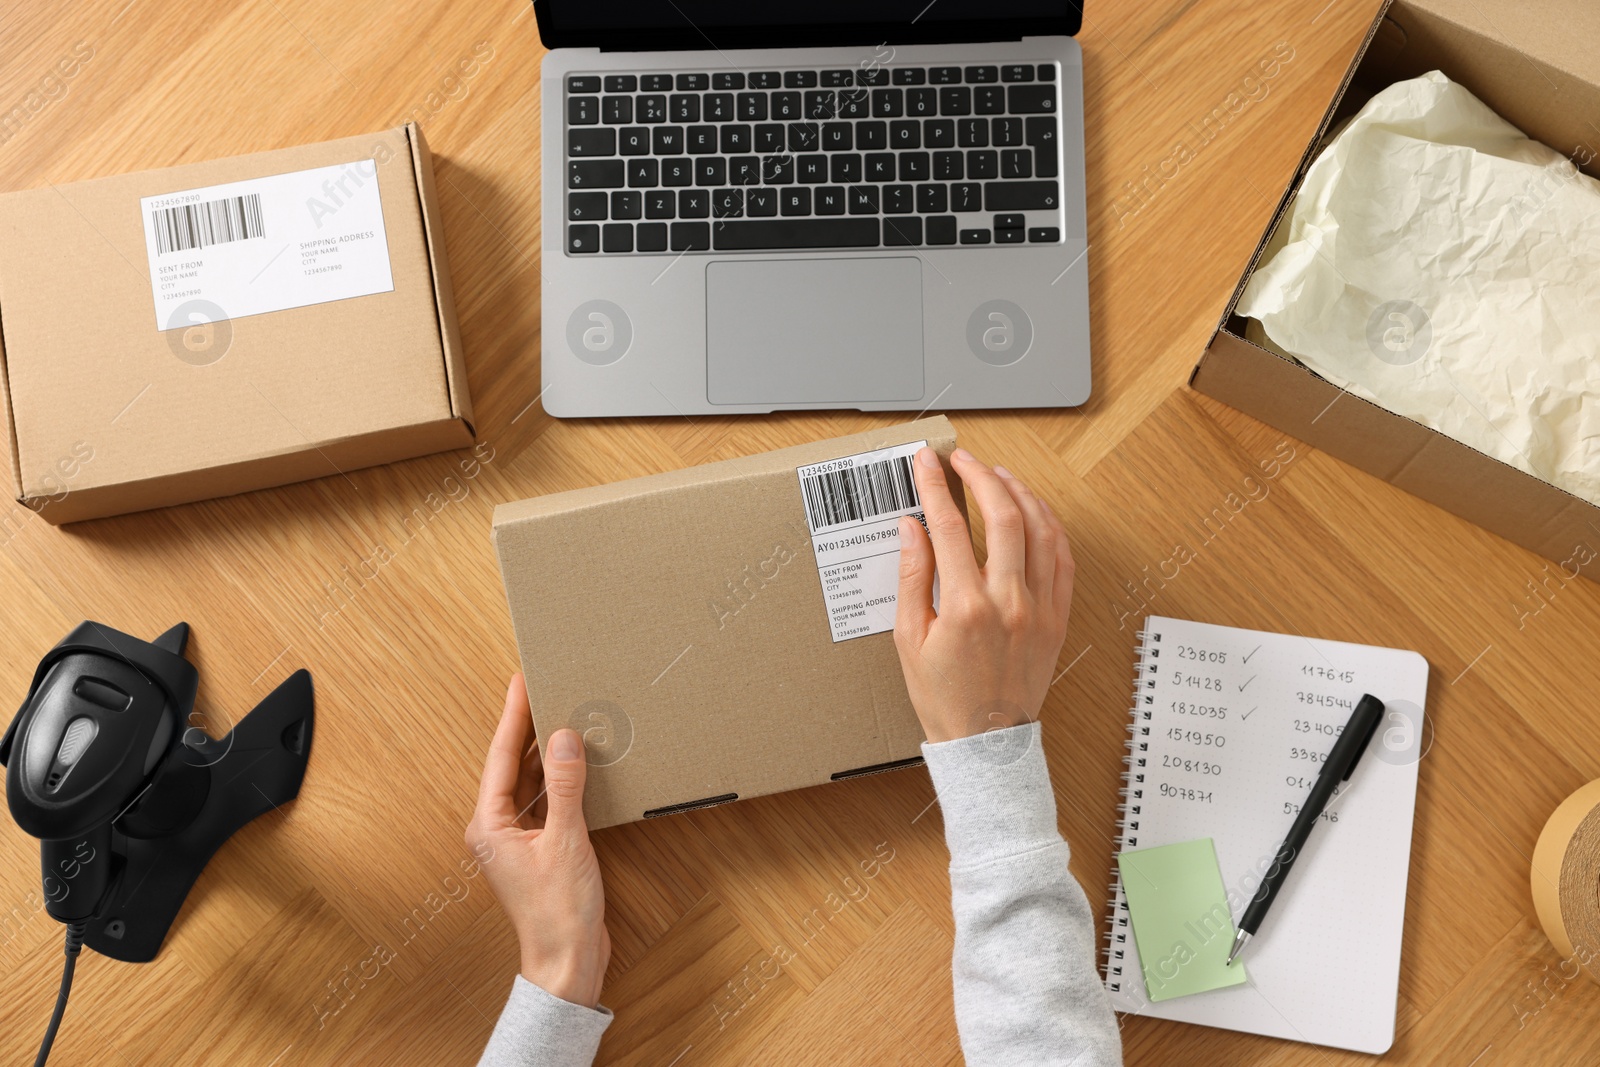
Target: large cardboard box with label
pixel 1538 68
pixel 723 631
pixel 172 335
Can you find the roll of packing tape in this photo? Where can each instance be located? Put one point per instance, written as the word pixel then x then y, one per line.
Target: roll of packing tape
pixel 1566 878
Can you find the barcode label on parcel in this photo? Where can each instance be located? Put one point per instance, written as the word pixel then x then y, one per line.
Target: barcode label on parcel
pixel 853 507
pixel 266 244
pixel 184 226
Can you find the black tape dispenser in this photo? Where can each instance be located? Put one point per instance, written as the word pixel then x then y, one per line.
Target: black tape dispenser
pixel 128 798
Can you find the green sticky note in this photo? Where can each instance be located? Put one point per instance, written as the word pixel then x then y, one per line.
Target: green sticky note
pixel 1181 921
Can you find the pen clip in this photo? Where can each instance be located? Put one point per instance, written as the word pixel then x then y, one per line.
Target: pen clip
pixel 1377 720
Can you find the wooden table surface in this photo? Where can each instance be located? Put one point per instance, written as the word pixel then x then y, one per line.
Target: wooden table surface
pixel 342 929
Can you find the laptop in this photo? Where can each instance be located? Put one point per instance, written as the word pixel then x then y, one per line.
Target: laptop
pixel 863 204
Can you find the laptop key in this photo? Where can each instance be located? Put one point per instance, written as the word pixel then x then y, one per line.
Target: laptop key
pixel 797 233
pixel 978 75
pixel 624 205
pixel 585 207
pixel 1010 222
pixel 939 133
pixel 966 196
pixel 769 137
pixel 719 107
pixel 1044 162
pixel 905 133
pixel 694 203
pixel 616 110
pixel 854 104
pixel 803 136
pixel 872 76
pixel 1017 72
pixel 1031 99
pixel 652 109
pixel 616 237
pixel 1009 237
pixel 973 133
pixel 949 166
pixel 1047 72
pixel 846 168
pixel 1006 131
pixel 660 204
pixel 812 170
pixel 914 167
pixel 678 171
pixel 761 201
pixel 838 136
pixel 983 163
pixel 799 79
pixel 728 79
pixel 903 231
pixel 1021 196
pixel 1016 163
pixel 751 107
pixel 898 200
pixel 941 230
pixel 829 200
pixel 583 237
pixel 974 237
pixel 836 78
pixel 684 107
pixel 777 170
pixel 880 166
pixel 583 110
pixel 873 134
pixel 702 140
pixel 650 236
pixel 595 142
pixel 945 76
pixel 594 173
pixel 621 83
pixel 863 200
pixel 735 139
pixel 932 199
pixel 909 76
pixel 787 106
pixel 693 83
pixel 666 140
pixel 795 201
pixel 821 104
pixel 711 171
pixel 955 100
pixel 922 103
pixel 583 83
pixel 655 83
pixel 765 79
pixel 644 173
pixel 1044 234
pixel 691 236
pixel 744 170
pixel 888 103
pixel 988 100
pixel 635 141
pixel 727 203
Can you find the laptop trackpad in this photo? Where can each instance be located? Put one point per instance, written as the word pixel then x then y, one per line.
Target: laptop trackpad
pixel 814 331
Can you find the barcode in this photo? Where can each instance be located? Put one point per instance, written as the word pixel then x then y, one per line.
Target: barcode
pixel 233 218
pixel 851 494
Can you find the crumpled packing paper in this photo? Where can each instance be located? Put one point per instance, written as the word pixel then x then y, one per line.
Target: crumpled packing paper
pixel 1441 264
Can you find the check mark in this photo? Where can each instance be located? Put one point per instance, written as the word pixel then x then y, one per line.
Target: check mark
pixel 1253 651
pixel 1249 713
pixel 1246 685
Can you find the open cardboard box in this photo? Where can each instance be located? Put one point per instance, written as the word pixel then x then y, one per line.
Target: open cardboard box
pixel 1547 83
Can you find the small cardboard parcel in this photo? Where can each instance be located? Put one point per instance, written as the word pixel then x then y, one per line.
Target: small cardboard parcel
pixel 172 335
pixel 723 631
pixel 1536 67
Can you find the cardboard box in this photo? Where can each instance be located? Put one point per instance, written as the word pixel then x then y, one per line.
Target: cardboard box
pixel 1547 83
pixel 164 340
pixel 682 624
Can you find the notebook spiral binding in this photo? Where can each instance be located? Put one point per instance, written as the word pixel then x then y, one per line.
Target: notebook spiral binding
pixel 1138 745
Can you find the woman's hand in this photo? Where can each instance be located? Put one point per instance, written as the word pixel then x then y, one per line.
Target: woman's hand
pixel 529 836
pixel 985 660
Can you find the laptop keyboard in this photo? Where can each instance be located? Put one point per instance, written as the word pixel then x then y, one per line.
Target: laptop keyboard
pixel 812 158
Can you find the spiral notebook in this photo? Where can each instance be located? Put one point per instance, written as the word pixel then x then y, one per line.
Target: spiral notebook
pixel 1229 728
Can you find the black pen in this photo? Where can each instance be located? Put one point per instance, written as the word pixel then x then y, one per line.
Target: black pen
pixel 1341 761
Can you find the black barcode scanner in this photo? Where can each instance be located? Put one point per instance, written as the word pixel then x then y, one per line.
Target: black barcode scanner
pixel 128 798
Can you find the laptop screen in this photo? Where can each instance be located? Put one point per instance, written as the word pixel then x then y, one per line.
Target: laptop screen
pixel 653 25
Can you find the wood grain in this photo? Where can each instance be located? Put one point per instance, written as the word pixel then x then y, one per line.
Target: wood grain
pixel 344 929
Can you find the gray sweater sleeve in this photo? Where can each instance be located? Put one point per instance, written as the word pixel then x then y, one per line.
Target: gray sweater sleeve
pixel 1026 991
pixel 539 1029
